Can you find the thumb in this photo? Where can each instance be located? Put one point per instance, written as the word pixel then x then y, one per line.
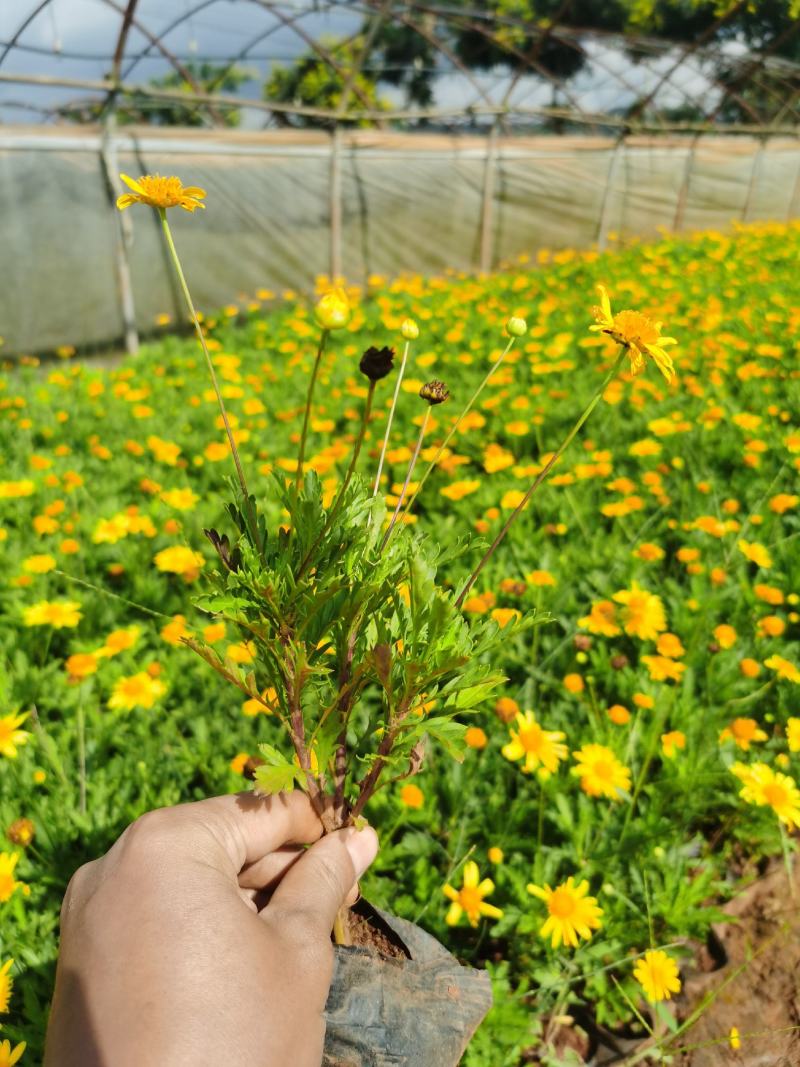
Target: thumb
pixel 316 886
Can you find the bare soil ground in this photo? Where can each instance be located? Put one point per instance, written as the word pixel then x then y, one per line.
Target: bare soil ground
pixel 757 988
pixel 747 976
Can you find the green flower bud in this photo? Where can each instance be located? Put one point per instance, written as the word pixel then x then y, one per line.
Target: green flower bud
pixel 516 327
pixel 409 329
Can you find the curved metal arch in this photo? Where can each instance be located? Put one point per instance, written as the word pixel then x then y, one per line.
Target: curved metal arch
pixel 569 36
pixel 477 25
pixel 261 36
pixel 313 45
pixel 135 60
pixel 156 41
pixel 439 45
pixel 753 67
pixel 23 27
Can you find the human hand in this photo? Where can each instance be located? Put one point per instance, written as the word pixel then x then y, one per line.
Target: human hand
pixel 169 955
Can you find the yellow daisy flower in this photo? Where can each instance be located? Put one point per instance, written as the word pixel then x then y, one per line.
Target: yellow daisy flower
pixel 601 773
pixel 538 747
pixel 601 619
pixel 657 974
pixel 9 1056
pixel 571 913
pixel 784 668
pixel 161 193
pixel 6 985
pixel 643 614
pixel 177 559
pixel 11 737
pixel 755 552
pixel 56 613
pixel 763 786
pixel 637 333
pixel 8 884
pixel 137 691
pixel 671 742
pixel 469 899
pixel 744 732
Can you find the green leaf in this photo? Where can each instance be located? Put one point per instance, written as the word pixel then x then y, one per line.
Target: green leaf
pixel 449 734
pixel 276 774
pixel 270 780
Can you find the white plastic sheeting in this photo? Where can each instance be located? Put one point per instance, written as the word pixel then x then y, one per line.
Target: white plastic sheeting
pixel 408 203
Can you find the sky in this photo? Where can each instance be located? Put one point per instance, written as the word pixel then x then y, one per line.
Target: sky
pixel 76 39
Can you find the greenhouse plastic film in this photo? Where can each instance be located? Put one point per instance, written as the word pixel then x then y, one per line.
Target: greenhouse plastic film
pixel 408 203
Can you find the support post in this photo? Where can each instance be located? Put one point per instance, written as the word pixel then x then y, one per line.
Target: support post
pixel 336 203
pixel 755 174
pixel 605 207
pixel 794 203
pixel 683 192
pixel 487 207
pixel 124 235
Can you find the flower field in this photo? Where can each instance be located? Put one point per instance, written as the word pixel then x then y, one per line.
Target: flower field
pixel 643 753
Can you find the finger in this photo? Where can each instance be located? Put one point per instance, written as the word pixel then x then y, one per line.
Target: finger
pixel 315 887
pixel 241 828
pixel 268 870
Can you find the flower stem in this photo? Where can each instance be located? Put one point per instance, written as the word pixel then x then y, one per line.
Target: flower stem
pixel 336 506
pixel 196 322
pixel 80 723
pixel 787 861
pixel 356 452
pixel 470 403
pixel 410 471
pixel 391 418
pixel 341 927
pixel 301 455
pixel 540 477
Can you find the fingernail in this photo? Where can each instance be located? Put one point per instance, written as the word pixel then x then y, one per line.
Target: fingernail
pixel 362 846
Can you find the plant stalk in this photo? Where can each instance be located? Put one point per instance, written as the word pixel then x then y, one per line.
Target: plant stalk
pixel 199 329
pixel 542 475
pixel 470 403
pixel 390 419
pixel 341 927
pixel 80 723
pixel 301 455
pixel 410 471
pixel 337 504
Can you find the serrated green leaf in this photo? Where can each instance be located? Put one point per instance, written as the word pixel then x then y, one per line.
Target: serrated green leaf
pixel 275 779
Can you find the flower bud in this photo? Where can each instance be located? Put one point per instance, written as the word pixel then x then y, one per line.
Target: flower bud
pixel 516 327
pixel 333 309
pixel 435 392
pixel 376 363
pixel 409 329
pixel 21 832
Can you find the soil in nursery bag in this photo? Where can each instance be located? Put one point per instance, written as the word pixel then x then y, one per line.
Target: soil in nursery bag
pixel 399 998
